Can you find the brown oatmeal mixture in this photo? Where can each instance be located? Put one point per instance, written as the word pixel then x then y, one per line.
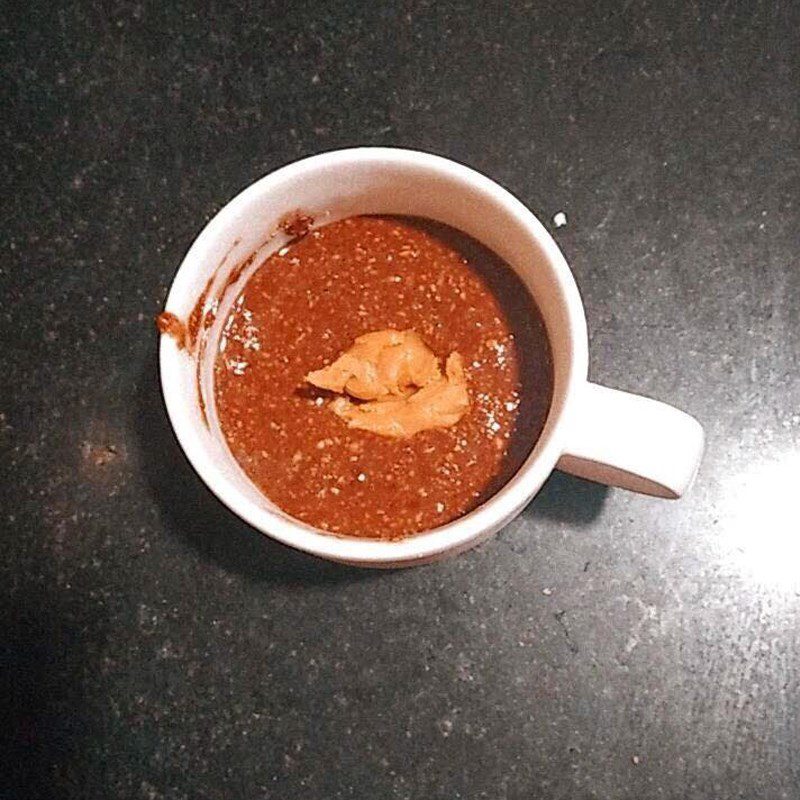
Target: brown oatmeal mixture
pixel 307 304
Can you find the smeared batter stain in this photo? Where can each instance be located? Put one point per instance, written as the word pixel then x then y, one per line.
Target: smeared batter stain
pixel 201 401
pixel 296 225
pixel 169 324
pixel 198 318
pixel 237 271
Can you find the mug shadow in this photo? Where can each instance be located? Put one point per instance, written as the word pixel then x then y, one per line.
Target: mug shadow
pixel 565 498
pixel 192 512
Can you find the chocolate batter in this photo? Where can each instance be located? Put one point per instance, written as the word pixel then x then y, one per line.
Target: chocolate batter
pixel 308 303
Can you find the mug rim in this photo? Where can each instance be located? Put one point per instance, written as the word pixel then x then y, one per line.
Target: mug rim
pixel 459 534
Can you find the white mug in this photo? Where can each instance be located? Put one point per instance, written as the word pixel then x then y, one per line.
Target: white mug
pixel 605 435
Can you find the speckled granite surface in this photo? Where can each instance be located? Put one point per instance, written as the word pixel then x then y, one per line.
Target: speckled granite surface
pixel 604 645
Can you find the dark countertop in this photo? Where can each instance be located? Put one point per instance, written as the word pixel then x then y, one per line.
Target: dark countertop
pixel 604 645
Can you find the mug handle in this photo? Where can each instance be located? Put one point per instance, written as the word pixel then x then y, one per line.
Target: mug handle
pixel 622 439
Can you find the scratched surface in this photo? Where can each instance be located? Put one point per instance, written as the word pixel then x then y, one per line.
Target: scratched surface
pixel 604 645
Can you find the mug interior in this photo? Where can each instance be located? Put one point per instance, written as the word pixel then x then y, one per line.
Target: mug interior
pixel 331 187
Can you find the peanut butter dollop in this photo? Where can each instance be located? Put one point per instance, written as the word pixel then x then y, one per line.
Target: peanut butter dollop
pixel 401 379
